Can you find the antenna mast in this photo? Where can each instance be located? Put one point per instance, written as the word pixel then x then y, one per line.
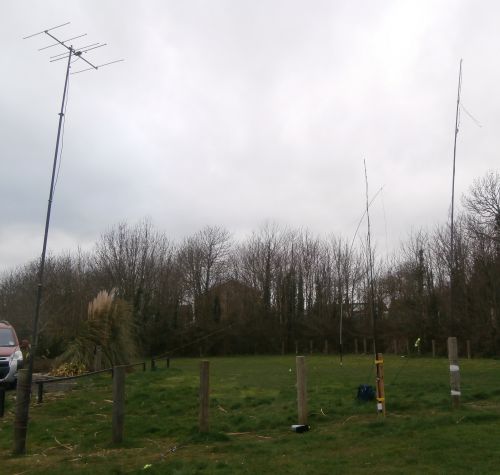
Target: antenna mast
pixel 348 263
pixel 452 229
pixel 370 268
pixel 378 356
pixel 72 55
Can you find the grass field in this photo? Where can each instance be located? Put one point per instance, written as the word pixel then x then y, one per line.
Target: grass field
pixel 253 404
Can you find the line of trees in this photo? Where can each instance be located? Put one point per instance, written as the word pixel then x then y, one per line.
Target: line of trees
pixel 275 287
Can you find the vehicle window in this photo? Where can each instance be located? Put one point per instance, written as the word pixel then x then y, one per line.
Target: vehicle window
pixel 7 337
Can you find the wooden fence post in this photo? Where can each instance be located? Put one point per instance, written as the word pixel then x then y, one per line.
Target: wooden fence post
pixel 365 348
pixel 454 371
pixel 153 364
pixel 204 395
pixel 469 355
pixel 355 345
pixel 98 358
pixel 433 348
pixel 23 393
pixel 118 403
pixel 301 389
pixel 39 396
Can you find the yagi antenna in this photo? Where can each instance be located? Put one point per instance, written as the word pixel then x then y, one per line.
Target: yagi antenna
pixel 72 51
pixel 64 41
pixel 71 54
pixel 81 48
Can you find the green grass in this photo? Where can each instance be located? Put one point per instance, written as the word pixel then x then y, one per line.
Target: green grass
pixel 253 404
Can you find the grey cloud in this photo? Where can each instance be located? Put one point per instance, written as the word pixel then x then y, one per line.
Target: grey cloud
pixel 233 113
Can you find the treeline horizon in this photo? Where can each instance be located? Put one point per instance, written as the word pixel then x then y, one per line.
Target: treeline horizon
pixel 213 294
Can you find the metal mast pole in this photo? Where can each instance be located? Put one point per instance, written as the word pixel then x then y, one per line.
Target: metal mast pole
pixel 341 350
pixel 452 229
pixel 26 376
pixel 379 362
pixel 24 391
pixel 47 220
pixel 370 269
pixel 348 263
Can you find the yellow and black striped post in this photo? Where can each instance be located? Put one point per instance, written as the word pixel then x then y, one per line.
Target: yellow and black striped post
pixel 379 365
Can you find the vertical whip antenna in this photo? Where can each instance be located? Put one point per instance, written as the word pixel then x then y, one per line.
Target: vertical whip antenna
pixel 378 356
pixel 347 264
pixel 452 224
pixel 370 267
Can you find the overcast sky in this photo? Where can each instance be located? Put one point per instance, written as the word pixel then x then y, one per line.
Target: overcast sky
pixel 234 113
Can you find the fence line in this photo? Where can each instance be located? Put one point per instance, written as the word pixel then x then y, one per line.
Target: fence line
pixel 40 383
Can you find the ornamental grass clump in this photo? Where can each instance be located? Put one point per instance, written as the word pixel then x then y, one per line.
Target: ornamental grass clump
pixel 109 326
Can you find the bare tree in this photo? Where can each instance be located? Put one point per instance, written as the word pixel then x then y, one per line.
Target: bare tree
pixel 483 204
pixel 131 259
pixel 258 260
pixel 204 262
